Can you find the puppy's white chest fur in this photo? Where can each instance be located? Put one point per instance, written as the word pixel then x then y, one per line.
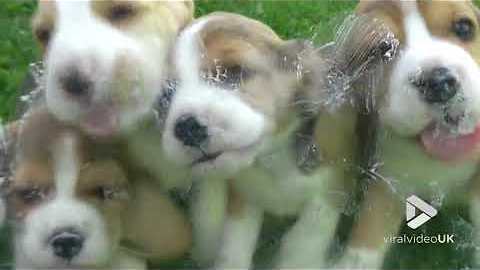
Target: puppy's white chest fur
pixel 275 183
pixel 411 170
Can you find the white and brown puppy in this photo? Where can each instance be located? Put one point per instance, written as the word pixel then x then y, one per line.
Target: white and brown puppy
pixel 429 118
pixel 106 60
pixel 236 114
pixel 72 204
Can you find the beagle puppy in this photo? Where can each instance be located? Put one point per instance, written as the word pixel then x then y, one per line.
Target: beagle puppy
pixel 73 204
pixel 244 120
pixel 105 61
pixel 427 120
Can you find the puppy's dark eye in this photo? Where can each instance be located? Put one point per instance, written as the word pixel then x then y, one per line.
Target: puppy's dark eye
pixel 237 74
pixel 229 77
pixel 121 12
pixel 30 195
pixel 464 29
pixel 43 35
pixel 107 193
pixel 104 193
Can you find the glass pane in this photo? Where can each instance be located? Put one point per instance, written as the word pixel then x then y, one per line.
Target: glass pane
pixel 297 134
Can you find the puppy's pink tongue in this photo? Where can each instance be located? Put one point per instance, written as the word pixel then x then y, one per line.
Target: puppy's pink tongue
pixel 442 145
pixel 100 121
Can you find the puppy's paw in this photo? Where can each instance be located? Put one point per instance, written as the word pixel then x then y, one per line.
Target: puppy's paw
pixel 360 259
pixel 127 260
pixel 204 257
pixel 229 266
pixel 239 262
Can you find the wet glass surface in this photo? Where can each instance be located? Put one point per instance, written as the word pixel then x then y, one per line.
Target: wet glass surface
pixel 315 136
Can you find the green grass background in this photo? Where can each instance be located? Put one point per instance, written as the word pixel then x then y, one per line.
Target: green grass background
pixel 292 19
pixel 314 19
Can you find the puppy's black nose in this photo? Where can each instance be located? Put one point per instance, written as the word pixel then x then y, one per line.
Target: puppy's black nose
pixel 75 83
pixel 438 85
pixel 190 132
pixel 66 244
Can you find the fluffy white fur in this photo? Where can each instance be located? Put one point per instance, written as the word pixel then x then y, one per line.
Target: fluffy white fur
pixel 360 259
pixel 240 239
pixel 285 191
pixel 60 213
pixel 208 215
pixel 234 128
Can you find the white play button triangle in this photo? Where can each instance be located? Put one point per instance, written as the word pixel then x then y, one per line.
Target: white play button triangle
pixel 426 212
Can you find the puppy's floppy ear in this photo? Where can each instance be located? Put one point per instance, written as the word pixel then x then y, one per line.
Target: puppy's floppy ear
pixel 357 58
pixel 153 226
pixel 183 11
pixel 362 41
pixel 8 138
pixel 298 58
pixel 292 52
pixel 190 7
pixel 477 12
pixel 311 69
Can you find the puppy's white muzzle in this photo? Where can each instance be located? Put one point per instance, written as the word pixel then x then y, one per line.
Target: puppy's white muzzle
pixel 434 97
pixel 434 81
pixel 63 233
pixel 213 129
